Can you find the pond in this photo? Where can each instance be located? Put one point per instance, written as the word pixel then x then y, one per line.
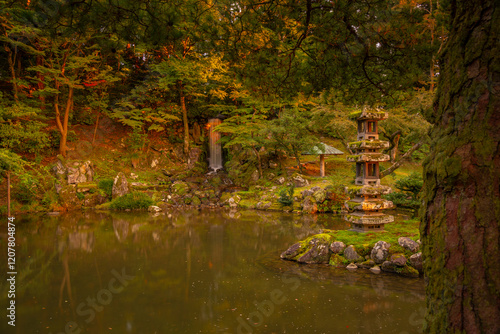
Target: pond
pixel 193 272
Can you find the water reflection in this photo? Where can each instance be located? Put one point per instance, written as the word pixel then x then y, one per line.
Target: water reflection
pixel 197 272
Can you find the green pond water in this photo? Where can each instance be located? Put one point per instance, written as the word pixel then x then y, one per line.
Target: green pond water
pixel 192 272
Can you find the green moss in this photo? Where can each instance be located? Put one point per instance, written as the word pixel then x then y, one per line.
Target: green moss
pixel 180 188
pixel 407 271
pixel 132 201
pixel 247 203
pixel 355 115
pixel 104 206
pixel 107 186
pixel 337 260
pixel 196 201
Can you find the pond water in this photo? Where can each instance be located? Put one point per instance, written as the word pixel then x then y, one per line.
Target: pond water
pixel 193 272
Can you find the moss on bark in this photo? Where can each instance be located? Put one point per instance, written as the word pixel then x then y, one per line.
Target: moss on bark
pixel 461 211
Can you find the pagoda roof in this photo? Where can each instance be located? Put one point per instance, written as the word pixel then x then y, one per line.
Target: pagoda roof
pixel 327 150
pixel 368 114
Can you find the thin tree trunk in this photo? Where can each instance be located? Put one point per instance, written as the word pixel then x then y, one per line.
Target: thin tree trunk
pixel 95 129
pixel 185 122
pixel 12 72
pixel 405 156
pixel 394 150
pixel 460 223
pixel 259 159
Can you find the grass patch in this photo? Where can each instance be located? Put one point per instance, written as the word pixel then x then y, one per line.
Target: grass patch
pixel 131 201
pixel 393 231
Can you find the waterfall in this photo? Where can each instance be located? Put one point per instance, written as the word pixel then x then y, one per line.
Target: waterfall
pixel 215 149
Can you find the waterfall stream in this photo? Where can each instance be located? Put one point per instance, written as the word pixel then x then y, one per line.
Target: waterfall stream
pixel 215 149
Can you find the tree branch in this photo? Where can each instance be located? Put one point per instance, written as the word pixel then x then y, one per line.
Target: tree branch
pixel 405 156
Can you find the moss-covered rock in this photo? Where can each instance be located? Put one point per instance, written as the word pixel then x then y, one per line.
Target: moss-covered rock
pixel 179 188
pixel 196 201
pixel 318 250
pixel 407 271
pixel 337 261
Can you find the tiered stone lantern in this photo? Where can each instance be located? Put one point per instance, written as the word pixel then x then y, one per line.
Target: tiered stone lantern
pixel 365 203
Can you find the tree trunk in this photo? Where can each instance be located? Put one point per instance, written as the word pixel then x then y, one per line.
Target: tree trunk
pixel 259 160
pixel 394 151
pixel 184 120
pixel 63 125
pixel 405 156
pixel 10 61
pixel 460 227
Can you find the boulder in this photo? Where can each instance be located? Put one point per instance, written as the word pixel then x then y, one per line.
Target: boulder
pixel 292 251
pixel 263 205
pixel 319 195
pixel 367 264
pixel 351 254
pixel 232 203
pixel 375 269
pixel 154 208
pixel 337 247
pixel 196 201
pixel 408 244
pixel 80 172
pixel 59 170
pixel 194 156
pixel 280 180
pixel 380 252
pixel 299 181
pixel 309 205
pixel 398 259
pixel 318 252
pixel 255 176
pixel 179 188
pixel 120 186
pixel 307 192
pixel 389 267
pixel 351 266
pixel 417 261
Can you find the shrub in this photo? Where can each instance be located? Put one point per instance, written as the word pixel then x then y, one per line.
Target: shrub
pixel 409 190
pixel 135 200
pixel 286 196
pixel 106 185
pixel 136 140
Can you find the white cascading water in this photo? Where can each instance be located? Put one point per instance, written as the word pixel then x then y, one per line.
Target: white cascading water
pixel 215 149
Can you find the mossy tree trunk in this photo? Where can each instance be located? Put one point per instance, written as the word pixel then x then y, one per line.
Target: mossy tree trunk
pixel 460 227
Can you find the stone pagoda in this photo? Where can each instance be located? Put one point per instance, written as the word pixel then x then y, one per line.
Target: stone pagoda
pixel 365 204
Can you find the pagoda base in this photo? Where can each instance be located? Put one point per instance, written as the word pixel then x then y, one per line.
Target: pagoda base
pixel 362 222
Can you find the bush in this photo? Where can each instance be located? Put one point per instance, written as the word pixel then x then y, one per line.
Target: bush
pixel 25 193
pixel 402 200
pixel 135 200
pixel 286 196
pixel 136 140
pixel 409 190
pixel 411 184
pixel 24 137
pixel 106 185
